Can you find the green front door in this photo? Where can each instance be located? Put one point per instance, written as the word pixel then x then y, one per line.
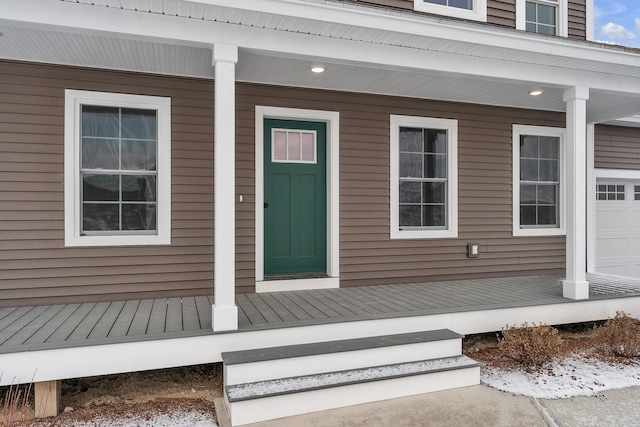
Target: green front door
pixel 295 206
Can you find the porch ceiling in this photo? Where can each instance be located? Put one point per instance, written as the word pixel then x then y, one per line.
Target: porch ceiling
pixel 262 60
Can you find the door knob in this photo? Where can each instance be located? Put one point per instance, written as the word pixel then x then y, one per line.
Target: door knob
pixel 266 205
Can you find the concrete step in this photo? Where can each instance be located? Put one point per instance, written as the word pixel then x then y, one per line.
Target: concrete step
pixel 277 398
pixel 330 356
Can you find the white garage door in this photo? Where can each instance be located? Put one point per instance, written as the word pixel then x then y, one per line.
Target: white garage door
pixel 618 227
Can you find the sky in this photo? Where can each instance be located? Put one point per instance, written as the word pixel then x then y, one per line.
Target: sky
pixel 618 22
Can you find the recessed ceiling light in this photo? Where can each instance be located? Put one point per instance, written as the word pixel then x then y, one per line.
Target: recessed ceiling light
pixel 535 92
pixel 317 69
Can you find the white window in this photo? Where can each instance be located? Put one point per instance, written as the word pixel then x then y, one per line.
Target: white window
pixel 424 177
pixel 117 169
pixel 543 16
pixel 538 181
pixel 475 10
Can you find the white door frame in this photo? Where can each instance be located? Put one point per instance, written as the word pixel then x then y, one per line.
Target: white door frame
pixel 332 119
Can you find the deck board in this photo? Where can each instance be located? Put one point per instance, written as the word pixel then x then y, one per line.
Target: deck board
pixel 64 331
pixel 104 325
pixel 69 325
pixel 50 327
pixel 122 324
pixel 29 329
pixel 190 319
pixel 140 322
pixel 89 322
pixel 250 310
pixel 158 317
pixel 204 311
pixel 174 315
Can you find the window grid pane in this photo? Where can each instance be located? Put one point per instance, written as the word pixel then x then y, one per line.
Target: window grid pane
pixel 293 146
pixel 539 181
pixel 423 178
pixel 613 192
pixel 460 4
pixel 541 16
pixel 119 170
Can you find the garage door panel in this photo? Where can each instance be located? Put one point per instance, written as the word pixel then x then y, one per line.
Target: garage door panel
pixel 634 219
pixel 609 219
pixel 618 228
pixel 612 248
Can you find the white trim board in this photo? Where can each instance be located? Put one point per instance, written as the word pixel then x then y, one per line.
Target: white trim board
pixel 74 100
pixel 332 119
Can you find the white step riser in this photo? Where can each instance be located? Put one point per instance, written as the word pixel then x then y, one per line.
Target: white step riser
pixel 250 411
pixel 331 362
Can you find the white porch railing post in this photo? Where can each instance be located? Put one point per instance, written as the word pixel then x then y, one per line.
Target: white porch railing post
pixel 575 285
pixel 225 312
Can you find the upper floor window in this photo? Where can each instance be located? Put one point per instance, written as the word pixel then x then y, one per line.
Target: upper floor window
pixel 542 16
pixel 538 181
pixel 423 177
pixel 117 169
pixel 475 10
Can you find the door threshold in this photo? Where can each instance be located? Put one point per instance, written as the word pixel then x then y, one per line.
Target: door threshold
pixel 294 276
pixel 296 283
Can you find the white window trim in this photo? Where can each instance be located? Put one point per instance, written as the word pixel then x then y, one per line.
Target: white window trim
pixel 478 13
pixel 563 16
pixel 560 230
pixel 451 126
pixel 74 99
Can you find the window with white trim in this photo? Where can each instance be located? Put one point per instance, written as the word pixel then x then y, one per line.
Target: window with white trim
pixel 424 177
pixel 475 10
pixel 543 16
pixel 538 181
pixel 117 169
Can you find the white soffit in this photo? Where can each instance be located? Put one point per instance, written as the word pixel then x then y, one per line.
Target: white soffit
pixel 30 44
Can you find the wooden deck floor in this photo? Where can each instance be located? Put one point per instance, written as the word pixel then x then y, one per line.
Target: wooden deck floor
pixel 72 325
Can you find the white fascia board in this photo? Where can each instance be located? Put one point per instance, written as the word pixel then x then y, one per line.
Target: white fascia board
pixel 82 18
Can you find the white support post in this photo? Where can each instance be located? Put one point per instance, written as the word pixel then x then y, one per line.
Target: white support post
pixel 575 285
pixel 591 199
pixel 224 311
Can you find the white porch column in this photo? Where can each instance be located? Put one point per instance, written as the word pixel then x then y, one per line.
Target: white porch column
pixel 575 285
pixel 225 312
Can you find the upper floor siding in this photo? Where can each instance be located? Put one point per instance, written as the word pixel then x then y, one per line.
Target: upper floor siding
pixel 502 13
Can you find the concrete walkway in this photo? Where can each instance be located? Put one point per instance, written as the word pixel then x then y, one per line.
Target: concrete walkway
pixel 480 406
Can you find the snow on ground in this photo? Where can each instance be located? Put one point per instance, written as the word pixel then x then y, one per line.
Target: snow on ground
pixel 574 376
pixel 176 419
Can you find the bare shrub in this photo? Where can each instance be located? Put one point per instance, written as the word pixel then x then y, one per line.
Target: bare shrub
pixel 531 346
pixel 619 337
pixel 14 404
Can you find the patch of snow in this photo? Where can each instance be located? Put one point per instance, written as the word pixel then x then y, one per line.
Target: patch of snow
pixel 175 419
pixel 271 387
pixel 574 376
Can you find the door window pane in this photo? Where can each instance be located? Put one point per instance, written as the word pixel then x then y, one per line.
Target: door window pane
pixel 293 146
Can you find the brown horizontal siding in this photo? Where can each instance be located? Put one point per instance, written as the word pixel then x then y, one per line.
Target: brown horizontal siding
pixel 502 12
pixel 577 19
pixel 36 267
pixel 617 147
pixel 368 256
